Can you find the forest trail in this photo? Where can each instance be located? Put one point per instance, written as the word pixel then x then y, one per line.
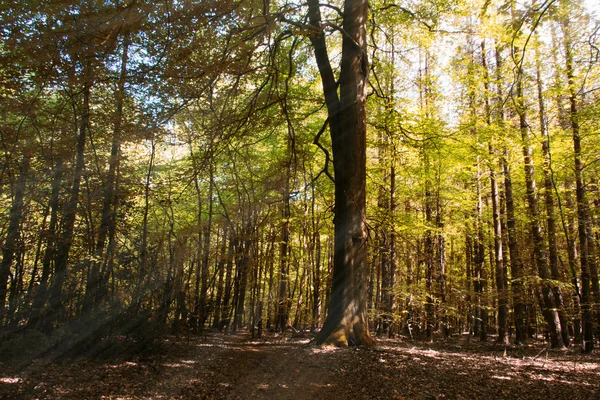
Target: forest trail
pixel 235 367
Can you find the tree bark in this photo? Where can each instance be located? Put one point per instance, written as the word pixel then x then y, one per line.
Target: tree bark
pixel 346 323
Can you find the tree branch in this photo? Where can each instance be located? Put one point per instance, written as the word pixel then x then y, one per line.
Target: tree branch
pixel 327 156
pixel 322 57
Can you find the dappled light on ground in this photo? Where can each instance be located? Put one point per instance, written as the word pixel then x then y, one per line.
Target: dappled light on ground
pixel 234 367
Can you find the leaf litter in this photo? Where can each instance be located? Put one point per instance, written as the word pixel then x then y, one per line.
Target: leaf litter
pixel 217 366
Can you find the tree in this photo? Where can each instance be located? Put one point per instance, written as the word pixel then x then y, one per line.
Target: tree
pixel 581 196
pixel 501 281
pixel 549 304
pixel 346 323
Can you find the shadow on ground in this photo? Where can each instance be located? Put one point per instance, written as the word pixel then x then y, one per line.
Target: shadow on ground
pixel 234 367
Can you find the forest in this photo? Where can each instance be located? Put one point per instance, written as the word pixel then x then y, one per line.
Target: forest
pixel 187 179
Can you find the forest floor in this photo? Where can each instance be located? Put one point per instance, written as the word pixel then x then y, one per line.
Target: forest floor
pixel 216 366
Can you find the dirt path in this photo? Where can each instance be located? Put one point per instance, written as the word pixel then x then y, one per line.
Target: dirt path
pixel 234 367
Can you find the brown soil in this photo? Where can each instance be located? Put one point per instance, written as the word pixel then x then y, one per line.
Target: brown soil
pixel 235 367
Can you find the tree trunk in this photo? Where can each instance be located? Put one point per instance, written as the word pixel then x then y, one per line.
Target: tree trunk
pixel 9 247
pixel 594 278
pixel 480 278
pixel 539 253
pixel 516 267
pixel 549 202
pixel 270 278
pixel 221 275
pixel 196 313
pixel 501 280
pixel 391 298
pixel 243 269
pixel 93 292
pixel 346 322
pixel 204 311
pixel 567 221
pixel 429 256
pixel 440 264
pixel 49 252
pixel 587 317
pixel 65 241
pixel 469 257
pixel 568 224
pixel 282 303
pixel 316 283
pixel 226 314
pixel 143 277
pixel 179 291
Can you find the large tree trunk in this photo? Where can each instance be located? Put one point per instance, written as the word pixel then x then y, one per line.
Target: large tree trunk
pixel 346 322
